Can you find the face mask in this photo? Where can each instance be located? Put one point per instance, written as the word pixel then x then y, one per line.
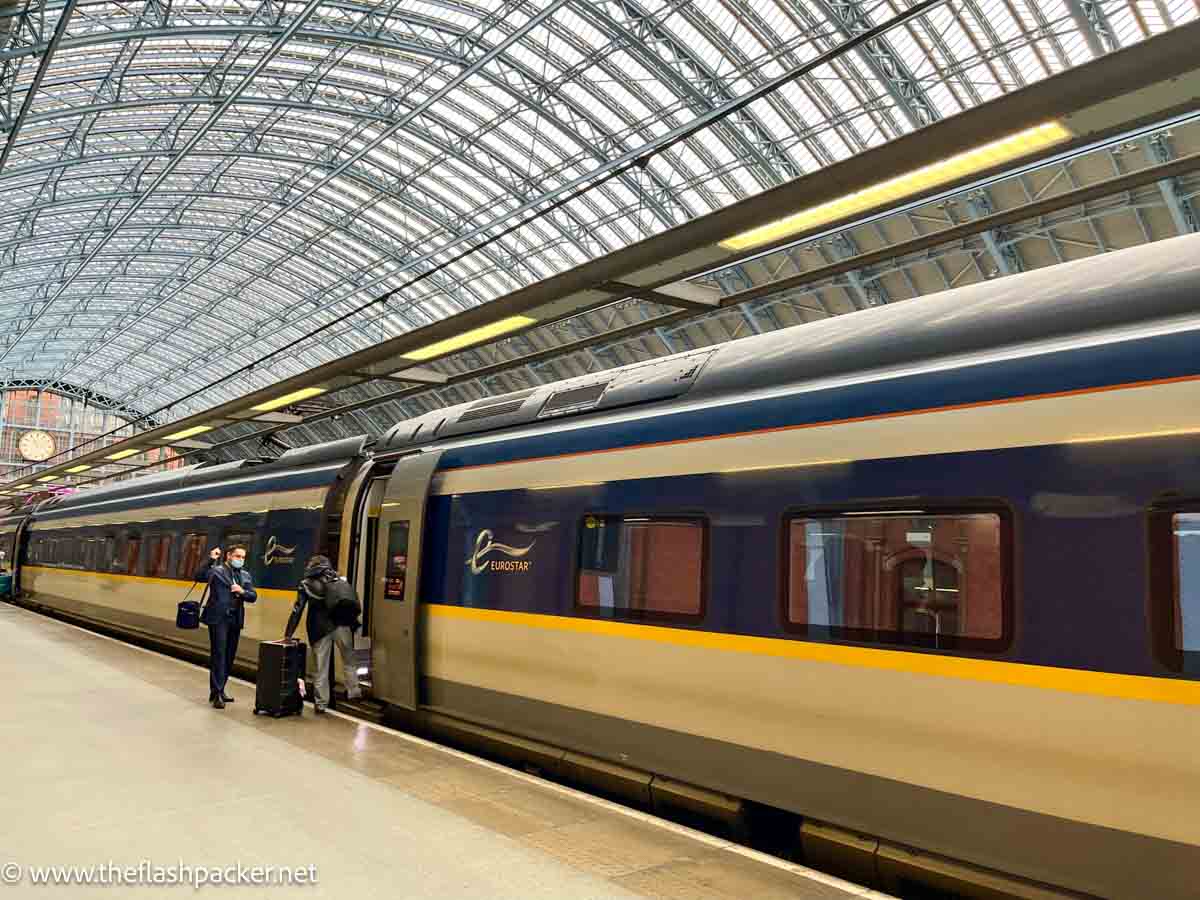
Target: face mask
pixel 237 563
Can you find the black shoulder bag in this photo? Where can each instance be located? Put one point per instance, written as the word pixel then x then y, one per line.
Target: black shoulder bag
pixel 189 612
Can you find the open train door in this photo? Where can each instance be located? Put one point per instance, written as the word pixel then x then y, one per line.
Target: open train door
pixel 395 619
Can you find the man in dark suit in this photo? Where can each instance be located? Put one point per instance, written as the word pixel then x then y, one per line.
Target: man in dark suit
pixel 229 589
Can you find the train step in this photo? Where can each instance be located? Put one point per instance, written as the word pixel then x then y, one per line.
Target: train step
pixel 371 710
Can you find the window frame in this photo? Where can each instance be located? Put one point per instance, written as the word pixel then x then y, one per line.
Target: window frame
pixel 901 640
pixel 645 615
pixel 1161 579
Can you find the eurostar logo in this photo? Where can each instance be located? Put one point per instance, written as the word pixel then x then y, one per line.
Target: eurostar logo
pixel 278 554
pixel 485 545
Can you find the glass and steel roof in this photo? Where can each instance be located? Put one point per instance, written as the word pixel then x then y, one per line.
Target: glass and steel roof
pixel 187 185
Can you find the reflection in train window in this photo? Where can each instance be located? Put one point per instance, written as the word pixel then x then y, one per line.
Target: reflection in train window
pixel 396 572
pixel 158 555
pixel 912 577
pixel 1185 528
pixel 191 555
pixel 127 559
pixel 642 567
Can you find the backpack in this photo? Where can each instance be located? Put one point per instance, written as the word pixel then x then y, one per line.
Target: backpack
pixel 340 594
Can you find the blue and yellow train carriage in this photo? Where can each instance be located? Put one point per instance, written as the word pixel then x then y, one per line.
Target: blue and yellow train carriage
pixel 126 555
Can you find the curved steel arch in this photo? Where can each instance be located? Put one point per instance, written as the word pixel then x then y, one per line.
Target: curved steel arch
pixel 340 143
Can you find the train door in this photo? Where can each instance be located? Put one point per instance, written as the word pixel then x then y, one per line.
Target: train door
pixel 356 543
pixel 394 580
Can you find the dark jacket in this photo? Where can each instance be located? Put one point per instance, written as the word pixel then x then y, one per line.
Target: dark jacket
pixel 223 604
pixel 321 619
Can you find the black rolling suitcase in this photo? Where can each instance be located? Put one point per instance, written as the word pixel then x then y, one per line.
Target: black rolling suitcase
pixel 280 671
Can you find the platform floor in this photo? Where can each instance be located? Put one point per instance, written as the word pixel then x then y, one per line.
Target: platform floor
pixel 110 756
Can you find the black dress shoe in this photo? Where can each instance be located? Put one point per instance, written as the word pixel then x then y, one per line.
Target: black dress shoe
pixel 227 699
pixel 218 703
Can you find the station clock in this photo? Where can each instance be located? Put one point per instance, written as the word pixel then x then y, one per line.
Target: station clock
pixel 36 446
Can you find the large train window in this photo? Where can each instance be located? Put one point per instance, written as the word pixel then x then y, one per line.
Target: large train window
pixel 642 567
pixel 1175 586
pixel 918 577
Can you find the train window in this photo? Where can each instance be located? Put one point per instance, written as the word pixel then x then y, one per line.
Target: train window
pixel 158 555
pixel 1175 587
pixel 195 548
pixel 127 559
pixel 397 561
pixel 923 578
pixel 90 558
pixel 642 567
pixel 70 552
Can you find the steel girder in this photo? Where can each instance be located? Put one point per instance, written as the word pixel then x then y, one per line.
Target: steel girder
pixel 510 109
pixel 76 392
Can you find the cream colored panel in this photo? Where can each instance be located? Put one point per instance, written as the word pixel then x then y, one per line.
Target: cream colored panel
pixel 1120 763
pixel 1131 411
pixel 306 498
pixel 265 620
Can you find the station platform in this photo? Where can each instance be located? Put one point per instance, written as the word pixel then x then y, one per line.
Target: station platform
pixel 115 767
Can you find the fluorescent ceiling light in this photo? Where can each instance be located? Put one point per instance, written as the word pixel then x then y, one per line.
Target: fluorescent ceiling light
pixel 188 432
pixel 50 478
pixel 122 454
pixel 467 338
pixel 18 487
pixel 287 399
pixel 909 184
pixel 75 470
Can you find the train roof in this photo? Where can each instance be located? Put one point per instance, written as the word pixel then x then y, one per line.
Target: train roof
pixel 1088 298
pixel 1084 299
pixel 199 475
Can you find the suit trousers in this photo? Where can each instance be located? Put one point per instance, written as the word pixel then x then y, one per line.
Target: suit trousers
pixel 323 651
pixel 222 641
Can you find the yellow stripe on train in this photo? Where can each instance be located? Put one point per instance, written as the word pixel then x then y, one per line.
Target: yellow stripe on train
pixel 146 579
pixel 1078 681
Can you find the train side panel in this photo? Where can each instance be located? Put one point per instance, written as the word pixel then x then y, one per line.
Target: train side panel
pixel 1070 733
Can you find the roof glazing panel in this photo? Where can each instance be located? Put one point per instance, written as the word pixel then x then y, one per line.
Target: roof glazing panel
pixel 198 183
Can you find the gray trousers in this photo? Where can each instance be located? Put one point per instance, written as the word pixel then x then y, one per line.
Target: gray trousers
pixel 323 651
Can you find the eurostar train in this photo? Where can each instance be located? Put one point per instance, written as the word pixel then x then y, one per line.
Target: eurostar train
pixel 926 578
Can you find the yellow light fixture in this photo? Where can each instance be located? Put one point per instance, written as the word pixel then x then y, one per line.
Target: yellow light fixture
pixel 467 338
pixel 50 478
pixel 287 399
pixel 75 470
pixel 188 432
pixel 125 454
pixel 21 487
pixel 909 184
